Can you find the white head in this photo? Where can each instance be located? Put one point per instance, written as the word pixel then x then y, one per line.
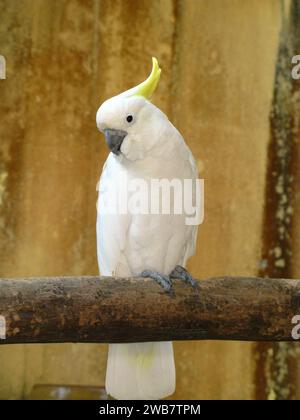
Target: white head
pixel 130 123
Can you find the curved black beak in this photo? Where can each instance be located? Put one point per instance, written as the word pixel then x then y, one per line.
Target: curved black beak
pixel 114 139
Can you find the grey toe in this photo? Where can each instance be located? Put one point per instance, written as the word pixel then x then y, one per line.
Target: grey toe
pixel 182 274
pixel 163 280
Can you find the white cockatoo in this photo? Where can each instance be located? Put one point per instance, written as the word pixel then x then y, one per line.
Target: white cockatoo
pixel 144 146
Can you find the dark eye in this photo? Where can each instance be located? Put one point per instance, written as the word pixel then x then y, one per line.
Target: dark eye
pixel 129 118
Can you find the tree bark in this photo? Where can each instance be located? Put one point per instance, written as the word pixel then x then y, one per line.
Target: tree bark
pixel 119 310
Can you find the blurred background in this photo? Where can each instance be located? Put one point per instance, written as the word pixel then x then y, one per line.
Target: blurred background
pixel 226 85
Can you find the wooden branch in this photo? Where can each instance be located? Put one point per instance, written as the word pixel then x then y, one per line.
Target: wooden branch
pixel 93 309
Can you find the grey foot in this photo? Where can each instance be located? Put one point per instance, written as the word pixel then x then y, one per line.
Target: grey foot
pixel 163 280
pixel 182 274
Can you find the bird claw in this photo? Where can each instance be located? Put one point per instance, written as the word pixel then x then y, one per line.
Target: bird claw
pixel 163 280
pixel 182 274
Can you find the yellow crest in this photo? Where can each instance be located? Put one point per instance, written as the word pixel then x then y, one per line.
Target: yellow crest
pixel 147 87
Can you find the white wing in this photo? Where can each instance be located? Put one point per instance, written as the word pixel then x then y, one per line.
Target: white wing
pixel 111 229
pixel 130 243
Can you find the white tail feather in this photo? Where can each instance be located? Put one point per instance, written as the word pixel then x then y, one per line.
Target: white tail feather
pixel 140 371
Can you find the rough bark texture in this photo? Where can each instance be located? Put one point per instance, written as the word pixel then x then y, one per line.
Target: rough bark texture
pixel 93 310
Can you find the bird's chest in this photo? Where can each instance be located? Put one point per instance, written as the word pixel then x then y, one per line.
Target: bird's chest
pixel 140 189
